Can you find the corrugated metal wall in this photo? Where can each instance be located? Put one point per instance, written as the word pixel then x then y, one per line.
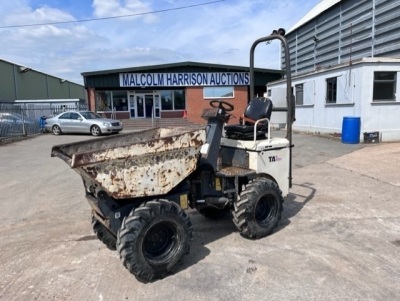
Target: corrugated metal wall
pixel 15 85
pixel 349 30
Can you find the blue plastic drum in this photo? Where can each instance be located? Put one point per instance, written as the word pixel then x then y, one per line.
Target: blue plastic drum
pixel 351 128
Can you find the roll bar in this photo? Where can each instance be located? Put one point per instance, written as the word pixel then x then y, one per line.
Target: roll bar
pixel 279 35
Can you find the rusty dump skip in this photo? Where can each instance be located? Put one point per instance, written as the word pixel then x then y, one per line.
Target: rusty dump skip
pixel 144 163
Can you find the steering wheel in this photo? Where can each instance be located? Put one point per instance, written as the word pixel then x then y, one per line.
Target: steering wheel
pixel 220 104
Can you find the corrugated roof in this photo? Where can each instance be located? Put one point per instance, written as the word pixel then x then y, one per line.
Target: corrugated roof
pixel 322 6
pixel 34 70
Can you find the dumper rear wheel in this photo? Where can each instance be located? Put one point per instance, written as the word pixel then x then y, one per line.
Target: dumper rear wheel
pixel 258 209
pixel 153 239
pixel 103 234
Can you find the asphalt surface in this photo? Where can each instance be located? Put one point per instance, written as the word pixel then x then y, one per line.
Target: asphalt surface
pixel 339 238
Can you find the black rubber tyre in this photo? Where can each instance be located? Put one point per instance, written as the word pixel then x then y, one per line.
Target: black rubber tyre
pixel 153 239
pixel 258 209
pixel 56 130
pixel 104 235
pixel 95 130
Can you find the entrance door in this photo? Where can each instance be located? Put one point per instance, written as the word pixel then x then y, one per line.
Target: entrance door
pixel 144 105
pixel 140 106
pixel 149 105
pixel 132 105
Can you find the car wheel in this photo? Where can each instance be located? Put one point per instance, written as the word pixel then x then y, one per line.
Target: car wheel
pixel 95 130
pixel 56 130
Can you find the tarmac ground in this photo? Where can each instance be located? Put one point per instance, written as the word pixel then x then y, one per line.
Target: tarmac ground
pixel 339 237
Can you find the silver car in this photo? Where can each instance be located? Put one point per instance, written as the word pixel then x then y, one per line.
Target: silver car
pixel 82 122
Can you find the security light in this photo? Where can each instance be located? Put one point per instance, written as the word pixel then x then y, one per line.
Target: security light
pixel 24 69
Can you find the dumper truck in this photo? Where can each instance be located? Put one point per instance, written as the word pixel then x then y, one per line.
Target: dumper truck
pixel 139 184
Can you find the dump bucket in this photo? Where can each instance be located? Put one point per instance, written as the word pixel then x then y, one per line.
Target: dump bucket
pixel 351 127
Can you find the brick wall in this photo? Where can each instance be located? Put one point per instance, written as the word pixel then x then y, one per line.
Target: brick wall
pixel 195 103
pixel 91 99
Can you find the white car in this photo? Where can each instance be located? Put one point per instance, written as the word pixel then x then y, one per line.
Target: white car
pixel 85 122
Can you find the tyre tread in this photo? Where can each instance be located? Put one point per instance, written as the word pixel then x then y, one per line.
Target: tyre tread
pixel 139 219
pixel 244 208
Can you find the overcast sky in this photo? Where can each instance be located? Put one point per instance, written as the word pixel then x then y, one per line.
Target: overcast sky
pixel 221 32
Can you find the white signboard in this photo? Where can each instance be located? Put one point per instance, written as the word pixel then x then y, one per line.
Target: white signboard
pixel 184 79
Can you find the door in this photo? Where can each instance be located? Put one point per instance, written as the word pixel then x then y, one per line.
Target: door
pixel 144 105
pixel 132 105
pixel 70 122
pixel 157 105
pixel 140 105
pixel 148 98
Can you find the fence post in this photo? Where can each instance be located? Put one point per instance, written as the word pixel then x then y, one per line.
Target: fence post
pixel 23 122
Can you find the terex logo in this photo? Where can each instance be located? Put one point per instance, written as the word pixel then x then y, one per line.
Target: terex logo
pixel 274 158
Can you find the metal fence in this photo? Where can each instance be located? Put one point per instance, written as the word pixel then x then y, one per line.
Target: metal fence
pixel 21 120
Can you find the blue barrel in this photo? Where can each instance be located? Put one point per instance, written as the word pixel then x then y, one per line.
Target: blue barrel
pixel 351 128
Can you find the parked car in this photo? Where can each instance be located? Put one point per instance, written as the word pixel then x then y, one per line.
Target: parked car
pixel 82 122
pixel 15 124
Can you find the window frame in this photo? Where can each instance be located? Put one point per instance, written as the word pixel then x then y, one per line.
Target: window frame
pixel 173 98
pixel 384 81
pixel 331 90
pixel 218 87
pixel 302 94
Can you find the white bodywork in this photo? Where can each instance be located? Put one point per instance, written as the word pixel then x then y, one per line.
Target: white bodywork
pixel 266 157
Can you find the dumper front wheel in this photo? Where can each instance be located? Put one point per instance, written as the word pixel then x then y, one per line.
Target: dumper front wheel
pixel 153 239
pixel 258 209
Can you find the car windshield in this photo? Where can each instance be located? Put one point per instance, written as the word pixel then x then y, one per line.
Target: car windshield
pixel 90 115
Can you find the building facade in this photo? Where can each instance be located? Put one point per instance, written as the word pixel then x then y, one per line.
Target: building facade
pixel 367 89
pixel 345 61
pixel 172 90
pixel 340 31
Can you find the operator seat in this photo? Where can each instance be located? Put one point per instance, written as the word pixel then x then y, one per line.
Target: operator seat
pixel 258 108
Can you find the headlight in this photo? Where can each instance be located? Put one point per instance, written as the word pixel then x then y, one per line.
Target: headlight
pixel 106 124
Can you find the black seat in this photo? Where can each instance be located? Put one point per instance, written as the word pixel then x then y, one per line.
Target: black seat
pixel 258 108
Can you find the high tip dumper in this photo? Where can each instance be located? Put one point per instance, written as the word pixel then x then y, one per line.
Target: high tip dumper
pixel 139 184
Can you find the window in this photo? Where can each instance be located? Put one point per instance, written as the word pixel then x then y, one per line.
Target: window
pixel 384 86
pixel 103 100
pixel 75 116
pixel 269 93
pixel 179 99
pixel 166 100
pixel 90 115
pixel 65 116
pixel 111 100
pixel 172 100
pixel 218 92
pixel 331 90
pixel 119 101
pixel 299 94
